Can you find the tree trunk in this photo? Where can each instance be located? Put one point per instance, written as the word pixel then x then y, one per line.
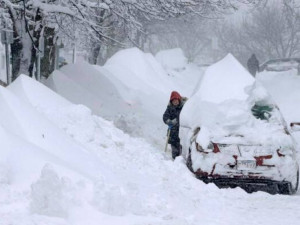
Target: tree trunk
pixel 95 54
pixel 48 61
pixel 16 49
pixel 37 29
pixel 16 55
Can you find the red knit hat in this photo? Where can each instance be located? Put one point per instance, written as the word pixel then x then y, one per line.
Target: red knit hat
pixel 175 95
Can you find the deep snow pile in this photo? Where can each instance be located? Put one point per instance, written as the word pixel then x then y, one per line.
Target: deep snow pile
pixel 224 80
pixel 132 89
pixel 141 69
pixel 222 108
pixel 172 59
pixel 81 83
pixel 98 170
pixel 284 88
pixel 62 165
pixel 132 103
pixel 185 75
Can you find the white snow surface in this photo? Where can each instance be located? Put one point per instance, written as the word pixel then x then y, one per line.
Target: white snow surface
pixel 82 82
pixel 142 70
pixel 172 59
pixel 132 89
pixel 225 80
pixel 60 164
pixel 284 88
pixel 222 107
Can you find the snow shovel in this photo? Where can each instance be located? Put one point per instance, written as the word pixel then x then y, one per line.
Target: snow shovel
pixel 168 137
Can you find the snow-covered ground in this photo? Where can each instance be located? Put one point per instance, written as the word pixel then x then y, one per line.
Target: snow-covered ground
pixel 132 89
pixel 62 163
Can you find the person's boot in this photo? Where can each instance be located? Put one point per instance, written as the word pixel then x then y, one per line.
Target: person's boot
pixel 175 151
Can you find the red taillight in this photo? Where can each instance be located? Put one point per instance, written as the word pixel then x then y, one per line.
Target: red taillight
pixel 260 160
pixel 216 148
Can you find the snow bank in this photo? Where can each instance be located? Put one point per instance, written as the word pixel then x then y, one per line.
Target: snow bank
pixel 283 86
pixel 127 169
pixel 82 84
pixel 26 89
pixel 22 119
pixel 85 170
pixel 140 69
pixel 132 90
pixel 47 194
pixel 172 59
pixel 184 75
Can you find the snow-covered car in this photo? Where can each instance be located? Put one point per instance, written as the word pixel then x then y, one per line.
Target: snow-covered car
pixel 282 64
pixel 237 136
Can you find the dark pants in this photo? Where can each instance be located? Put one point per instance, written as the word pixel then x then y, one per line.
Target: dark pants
pixel 176 151
pixel 174 141
pixel 253 72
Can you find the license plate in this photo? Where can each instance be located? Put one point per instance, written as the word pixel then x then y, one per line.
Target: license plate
pixel 246 164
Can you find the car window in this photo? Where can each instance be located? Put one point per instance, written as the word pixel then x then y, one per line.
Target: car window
pixel 262 112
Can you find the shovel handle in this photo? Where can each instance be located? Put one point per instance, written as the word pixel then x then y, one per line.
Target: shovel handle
pixel 168 136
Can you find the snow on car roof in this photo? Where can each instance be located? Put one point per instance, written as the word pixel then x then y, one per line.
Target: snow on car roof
pixel 224 80
pixel 222 105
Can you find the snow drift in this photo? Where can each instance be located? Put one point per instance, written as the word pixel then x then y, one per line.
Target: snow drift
pixel 86 171
pixel 82 84
pixel 132 89
pixel 172 59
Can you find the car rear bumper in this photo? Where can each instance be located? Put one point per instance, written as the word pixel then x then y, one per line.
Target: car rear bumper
pixel 250 184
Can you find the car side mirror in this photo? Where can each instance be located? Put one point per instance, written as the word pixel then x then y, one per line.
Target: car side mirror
pixel 295 126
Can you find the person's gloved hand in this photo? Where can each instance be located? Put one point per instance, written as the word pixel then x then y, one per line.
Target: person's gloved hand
pixel 171 122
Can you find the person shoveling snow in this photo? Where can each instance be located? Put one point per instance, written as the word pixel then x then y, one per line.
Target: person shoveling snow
pixel 171 118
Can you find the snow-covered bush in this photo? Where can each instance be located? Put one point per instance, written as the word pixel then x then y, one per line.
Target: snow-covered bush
pixel 110 199
pixel 119 200
pixel 47 194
